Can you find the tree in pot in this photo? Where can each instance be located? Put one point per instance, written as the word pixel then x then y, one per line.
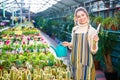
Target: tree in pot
pixel 97 58
pixel 107 43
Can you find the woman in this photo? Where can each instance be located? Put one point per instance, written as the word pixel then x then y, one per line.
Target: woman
pixel 84 44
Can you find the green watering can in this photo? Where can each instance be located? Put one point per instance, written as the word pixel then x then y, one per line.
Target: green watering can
pixel 60 50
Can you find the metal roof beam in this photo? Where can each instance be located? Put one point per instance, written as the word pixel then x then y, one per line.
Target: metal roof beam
pixel 63 3
pixel 11 6
pixel 54 9
pixel 3 1
pixel 52 5
pixel 57 7
pixel 78 1
pixel 17 3
pixel 10 2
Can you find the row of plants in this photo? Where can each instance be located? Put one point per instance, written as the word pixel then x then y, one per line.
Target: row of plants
pixel 48 73
pixel 20 44
pixel 18 62
pixel 20 30
pixel 56 26
pixel 108 23
pixel 30 62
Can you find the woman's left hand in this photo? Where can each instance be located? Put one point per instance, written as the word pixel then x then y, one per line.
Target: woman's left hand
pixel 95 38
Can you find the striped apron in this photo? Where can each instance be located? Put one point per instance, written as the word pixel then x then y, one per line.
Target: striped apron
pixel 81 58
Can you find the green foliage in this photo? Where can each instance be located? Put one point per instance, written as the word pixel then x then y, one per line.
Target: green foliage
pixel 107 23
pixel 92 17
pixel 117 17
pixel 98 19
pixel 107 41
pixel 7 48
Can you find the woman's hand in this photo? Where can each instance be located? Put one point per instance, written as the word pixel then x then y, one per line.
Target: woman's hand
pixel 65 43
pixel 96 38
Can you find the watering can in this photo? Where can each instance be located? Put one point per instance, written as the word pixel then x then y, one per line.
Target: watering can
pixel 60 50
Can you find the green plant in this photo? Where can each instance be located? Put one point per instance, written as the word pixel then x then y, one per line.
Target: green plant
pixel 106 23
pixel 114 23
pixel 117 17
pixel 7 48
pixel 92 17
pixel 98 20
pixel 106 43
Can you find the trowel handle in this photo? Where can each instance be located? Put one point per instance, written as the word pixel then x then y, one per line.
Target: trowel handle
pixel 98 28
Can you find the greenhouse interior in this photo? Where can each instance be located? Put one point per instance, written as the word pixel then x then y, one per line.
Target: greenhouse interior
pixel 33 34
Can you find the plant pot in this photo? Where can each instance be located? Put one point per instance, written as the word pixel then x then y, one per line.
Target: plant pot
pixel 97 64
pixel 111 75
pixel 1 67
pixel 114 28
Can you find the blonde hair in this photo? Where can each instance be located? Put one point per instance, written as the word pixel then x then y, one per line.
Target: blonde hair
pixel 80 9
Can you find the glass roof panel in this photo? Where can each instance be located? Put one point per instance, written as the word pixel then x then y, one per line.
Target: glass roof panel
pixel 34 6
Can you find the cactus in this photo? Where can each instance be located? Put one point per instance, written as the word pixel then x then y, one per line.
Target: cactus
pixel 11 74
pixel 24 75
pixel 35 77
pixel 7 79
pixel 0 73
pixel 2 78
pixel 6 75
pixel 14 73
pixel 29 75
pixel 20 78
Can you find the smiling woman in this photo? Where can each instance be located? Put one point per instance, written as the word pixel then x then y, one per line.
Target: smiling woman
pixel 83 46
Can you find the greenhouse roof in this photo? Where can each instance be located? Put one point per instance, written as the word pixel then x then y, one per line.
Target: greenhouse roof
pixel 37 6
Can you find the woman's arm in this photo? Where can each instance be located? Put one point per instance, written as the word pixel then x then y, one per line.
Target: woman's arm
pixel 94 44
pixel 93 40
pixel 69 44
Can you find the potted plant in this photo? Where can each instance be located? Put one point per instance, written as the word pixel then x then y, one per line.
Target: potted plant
pixel 98 20
pixel 97 58
pixel 106 23
pixel 117 17
pixel 107 42
pixel 114 24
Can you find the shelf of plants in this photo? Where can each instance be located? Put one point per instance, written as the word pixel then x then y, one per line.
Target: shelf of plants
pixel 24 55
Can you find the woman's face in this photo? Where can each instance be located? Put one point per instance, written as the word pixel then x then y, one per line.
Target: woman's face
pixel 81 17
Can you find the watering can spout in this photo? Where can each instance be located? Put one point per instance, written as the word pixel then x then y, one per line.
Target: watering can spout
pixel 53 48
pixel 60 50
